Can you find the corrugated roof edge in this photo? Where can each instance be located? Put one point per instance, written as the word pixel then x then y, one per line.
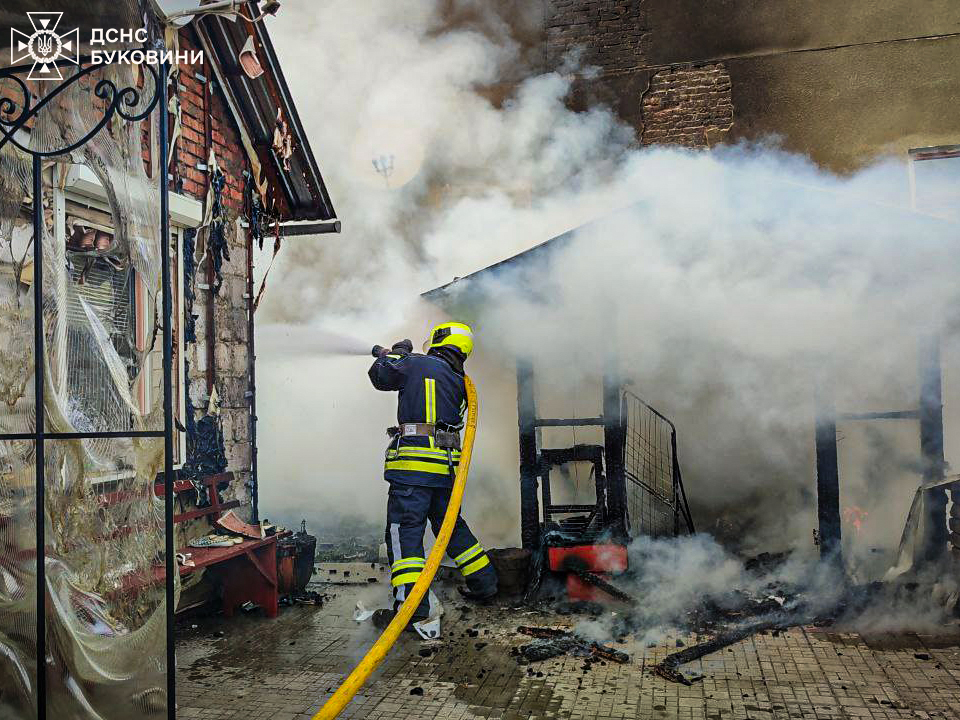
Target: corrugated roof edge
pixel 295 123
pixel 320 206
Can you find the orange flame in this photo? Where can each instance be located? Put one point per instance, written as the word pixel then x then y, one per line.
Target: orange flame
pixel 855 516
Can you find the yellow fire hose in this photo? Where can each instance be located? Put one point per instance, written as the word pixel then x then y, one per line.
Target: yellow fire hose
pixel 344 694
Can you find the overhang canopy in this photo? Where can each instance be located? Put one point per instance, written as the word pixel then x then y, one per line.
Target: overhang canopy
pixel 304 195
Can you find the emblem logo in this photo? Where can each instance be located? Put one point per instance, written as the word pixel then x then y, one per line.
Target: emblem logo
pixel 45 46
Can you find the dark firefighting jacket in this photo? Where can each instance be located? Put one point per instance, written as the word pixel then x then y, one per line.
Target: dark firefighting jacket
pixel 430 391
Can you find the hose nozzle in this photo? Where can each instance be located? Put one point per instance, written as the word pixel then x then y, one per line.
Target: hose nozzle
pixel 378 350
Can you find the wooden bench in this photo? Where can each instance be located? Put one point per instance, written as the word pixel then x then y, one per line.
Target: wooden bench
pixel 246 571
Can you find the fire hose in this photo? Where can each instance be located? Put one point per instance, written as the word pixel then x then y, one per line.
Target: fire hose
pixel 378 652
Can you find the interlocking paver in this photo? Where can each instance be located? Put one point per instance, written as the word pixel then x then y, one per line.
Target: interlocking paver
pixel 285 668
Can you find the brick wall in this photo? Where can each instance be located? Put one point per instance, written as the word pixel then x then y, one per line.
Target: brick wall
pixel 689 106
pixel 224 134
pixel 609 34
pixel 230 350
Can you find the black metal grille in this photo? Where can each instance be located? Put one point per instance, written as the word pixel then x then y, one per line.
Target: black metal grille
pixel 20 108
pixel 656 504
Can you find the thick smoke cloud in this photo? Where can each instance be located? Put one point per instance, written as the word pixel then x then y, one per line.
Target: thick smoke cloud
pixel 727 282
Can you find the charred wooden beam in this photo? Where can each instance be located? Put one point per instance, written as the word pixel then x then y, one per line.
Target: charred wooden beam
pixel 828 476
pixel 577 453
pixel 890 415
pixel 567 422
pixel 527 415
pixel 614 439
pixel 931 447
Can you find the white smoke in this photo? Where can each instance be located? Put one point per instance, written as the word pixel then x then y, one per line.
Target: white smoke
pixel 725 282
pixel 676 579
pixel 689 583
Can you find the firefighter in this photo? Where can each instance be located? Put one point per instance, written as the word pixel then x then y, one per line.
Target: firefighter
pixel 422 458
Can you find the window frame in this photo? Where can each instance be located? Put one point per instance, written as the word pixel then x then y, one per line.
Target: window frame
pixel 923 154
pixel 81 186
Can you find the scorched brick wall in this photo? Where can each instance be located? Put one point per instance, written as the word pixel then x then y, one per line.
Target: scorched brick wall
pixel 689 106
pixel 192 147
pixel 230 330
pixel 687 103
pixel 608 34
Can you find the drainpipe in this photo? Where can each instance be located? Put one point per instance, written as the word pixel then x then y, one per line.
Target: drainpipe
pixel 252 377
pixel 210 334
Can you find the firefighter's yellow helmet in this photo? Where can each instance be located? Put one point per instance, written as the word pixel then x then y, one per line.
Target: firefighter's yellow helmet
pixel 451 334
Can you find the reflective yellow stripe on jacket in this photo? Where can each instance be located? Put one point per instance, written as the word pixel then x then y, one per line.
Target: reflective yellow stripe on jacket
pixel 420 459
pixel 430 398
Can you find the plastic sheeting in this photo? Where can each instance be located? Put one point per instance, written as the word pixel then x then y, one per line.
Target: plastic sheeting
pixel 105 606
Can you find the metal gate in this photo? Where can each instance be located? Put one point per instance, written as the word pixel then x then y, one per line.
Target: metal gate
pixel 656 504
pixel 40 434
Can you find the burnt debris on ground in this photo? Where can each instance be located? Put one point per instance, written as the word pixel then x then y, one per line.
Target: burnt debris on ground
pixel 551 642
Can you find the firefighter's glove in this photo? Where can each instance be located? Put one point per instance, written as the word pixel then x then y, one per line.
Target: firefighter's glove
pixel 404 347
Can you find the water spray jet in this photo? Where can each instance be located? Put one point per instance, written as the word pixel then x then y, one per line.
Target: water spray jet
pixel 290 339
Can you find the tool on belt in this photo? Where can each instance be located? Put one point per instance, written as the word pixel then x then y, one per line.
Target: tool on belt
pixel 444 439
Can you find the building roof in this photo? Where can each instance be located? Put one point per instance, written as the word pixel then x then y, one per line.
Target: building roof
pixel 528 269
pixel 463 292
pixel 304 194
pixel 301 192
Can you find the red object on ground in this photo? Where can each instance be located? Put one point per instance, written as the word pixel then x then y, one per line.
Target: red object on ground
pixel 605 558
pixel 601 560
pixel 246 571
pixel 579 589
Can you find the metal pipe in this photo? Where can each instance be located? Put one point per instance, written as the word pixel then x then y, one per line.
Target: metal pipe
pixel 168 472
pixel 310 229
pixel 40 420
pixel 104 434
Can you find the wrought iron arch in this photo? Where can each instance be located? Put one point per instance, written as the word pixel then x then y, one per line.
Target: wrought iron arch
pixel 125 103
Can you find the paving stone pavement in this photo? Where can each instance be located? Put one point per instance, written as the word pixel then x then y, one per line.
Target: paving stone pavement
pixel 250 667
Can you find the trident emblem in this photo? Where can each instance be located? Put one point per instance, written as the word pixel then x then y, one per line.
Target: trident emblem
pixel 45 45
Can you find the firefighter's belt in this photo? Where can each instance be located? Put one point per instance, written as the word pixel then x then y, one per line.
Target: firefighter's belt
pixel 444 438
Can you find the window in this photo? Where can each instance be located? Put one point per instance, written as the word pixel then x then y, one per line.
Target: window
pixel 105 293
pixel 935 180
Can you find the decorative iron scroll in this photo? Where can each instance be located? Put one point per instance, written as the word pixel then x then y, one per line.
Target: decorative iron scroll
pixel 119 101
